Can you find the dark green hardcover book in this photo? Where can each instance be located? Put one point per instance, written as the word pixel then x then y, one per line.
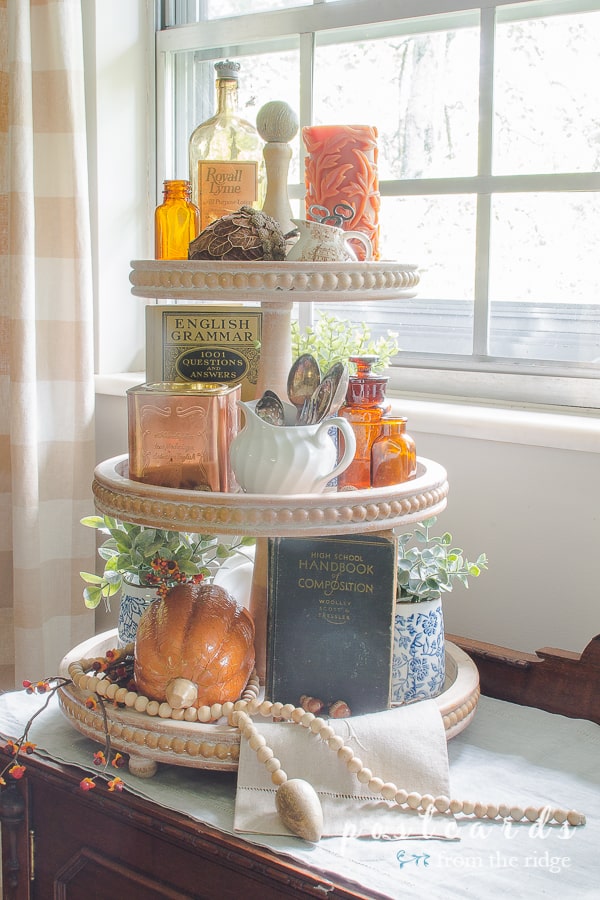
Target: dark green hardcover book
pixel 330 620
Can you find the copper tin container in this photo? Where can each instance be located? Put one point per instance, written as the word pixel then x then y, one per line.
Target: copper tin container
pixel 180 433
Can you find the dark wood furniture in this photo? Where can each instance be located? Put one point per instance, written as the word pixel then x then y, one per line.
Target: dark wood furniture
pixel 60 842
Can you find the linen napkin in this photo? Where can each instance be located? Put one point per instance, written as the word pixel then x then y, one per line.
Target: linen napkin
pixel 406 746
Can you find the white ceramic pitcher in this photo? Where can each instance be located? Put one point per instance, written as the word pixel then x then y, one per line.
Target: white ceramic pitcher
pixel 288 459
pixel 326 243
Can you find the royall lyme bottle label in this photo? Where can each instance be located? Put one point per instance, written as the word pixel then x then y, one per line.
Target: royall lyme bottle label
pixel 225 186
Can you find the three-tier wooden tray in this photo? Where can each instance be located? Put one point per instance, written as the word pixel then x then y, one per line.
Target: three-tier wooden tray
pixel 276 286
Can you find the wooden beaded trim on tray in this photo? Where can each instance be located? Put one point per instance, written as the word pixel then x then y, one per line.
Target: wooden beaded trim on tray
pixel 265 280
pixel 351 511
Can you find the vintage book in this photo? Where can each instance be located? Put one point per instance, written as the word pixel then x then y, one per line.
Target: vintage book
pixel 204 343
pixel 330 620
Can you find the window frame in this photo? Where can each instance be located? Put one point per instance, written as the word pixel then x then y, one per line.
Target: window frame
pixel 476 376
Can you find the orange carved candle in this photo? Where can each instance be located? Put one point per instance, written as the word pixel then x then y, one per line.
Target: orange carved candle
pixel 341 167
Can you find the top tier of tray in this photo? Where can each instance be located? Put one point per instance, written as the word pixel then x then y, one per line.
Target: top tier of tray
pixel 273 282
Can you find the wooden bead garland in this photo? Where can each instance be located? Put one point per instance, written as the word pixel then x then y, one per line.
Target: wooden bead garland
pixel 388 790
pixel 238 714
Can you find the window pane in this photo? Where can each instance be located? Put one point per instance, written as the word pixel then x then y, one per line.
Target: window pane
pixel 419 90
pixel 547 95
pixel 220 9
pixel 544 285
pixel 438 233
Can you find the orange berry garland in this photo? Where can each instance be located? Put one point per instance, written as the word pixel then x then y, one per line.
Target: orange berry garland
pixel 166 574
pixel 49 686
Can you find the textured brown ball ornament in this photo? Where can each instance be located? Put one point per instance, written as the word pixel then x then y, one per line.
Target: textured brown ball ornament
pixel 197 632
pixel 247 234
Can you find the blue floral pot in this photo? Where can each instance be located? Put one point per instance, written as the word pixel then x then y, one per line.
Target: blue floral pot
pixel 419 662
pixel 135 600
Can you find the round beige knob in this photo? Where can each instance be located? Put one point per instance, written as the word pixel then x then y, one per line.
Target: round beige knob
pixel 181 693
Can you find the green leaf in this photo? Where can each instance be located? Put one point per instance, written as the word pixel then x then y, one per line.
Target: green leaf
pixel 107 552
pixel 123 542
pixel 93 521
pixel 92 597
pixel 113 578
pixel 188 568
pixel 146 539
pixel 90 578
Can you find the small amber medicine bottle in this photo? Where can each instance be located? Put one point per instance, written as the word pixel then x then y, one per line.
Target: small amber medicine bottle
pixel 176 221
pixel 364 408
pixel 393 454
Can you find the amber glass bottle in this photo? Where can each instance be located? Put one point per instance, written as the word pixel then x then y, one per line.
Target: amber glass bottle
pixel 393 454
pixel 364 408
pixel 176 222
pixel 226 155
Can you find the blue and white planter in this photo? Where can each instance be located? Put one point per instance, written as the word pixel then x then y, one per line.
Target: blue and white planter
pixel 135 600
pixel 419 661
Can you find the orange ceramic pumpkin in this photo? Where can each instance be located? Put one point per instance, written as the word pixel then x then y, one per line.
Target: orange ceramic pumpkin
pixel 196 636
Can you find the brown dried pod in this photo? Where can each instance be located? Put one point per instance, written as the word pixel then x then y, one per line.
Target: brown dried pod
pixel 339 710
pixel 311 704
pixel 247 234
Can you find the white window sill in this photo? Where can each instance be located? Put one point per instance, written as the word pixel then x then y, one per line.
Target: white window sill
pixel 523 425
pixel 559 429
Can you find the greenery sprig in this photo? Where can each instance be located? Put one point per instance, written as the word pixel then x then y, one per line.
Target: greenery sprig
pixel 152 557
pixel 433 566
pixel 331 340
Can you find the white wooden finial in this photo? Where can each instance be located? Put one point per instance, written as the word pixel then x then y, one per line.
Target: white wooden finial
pixel 277 124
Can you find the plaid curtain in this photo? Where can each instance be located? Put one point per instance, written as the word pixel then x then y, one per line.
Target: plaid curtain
pixel 46 343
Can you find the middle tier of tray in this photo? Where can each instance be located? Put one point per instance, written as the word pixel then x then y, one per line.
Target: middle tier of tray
pixel 270 515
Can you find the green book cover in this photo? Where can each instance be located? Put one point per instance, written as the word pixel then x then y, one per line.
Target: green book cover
pixel 330 620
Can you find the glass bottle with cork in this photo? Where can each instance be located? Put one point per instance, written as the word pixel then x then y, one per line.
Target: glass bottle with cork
pixel 226 155
pixel 176 221
pixel 364 408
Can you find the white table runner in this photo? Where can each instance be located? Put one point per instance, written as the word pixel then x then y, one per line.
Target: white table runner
pixel 507 754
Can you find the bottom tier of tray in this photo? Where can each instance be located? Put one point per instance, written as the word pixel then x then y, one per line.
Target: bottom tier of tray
pixel 149 740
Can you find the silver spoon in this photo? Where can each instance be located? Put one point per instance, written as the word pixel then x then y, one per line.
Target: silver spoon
pixel 328 397
pixel 270 409
pixel 338 372
pixel 303 379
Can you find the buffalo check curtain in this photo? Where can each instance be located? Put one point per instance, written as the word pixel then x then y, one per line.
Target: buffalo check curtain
pixel 46 343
